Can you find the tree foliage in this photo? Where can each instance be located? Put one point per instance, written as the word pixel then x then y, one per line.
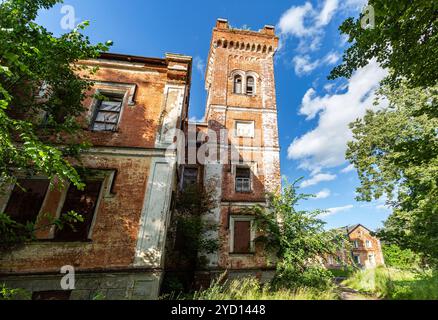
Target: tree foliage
pixel 400 258
pixel 41 93
pixel 404 39
pixel 395 151
pixel 297 239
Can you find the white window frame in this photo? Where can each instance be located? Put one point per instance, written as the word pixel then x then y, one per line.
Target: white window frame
pixel 245 166
pixel 234 218
pixel 244 76
pixel 368 244
pixel 356 244
pixel 251 122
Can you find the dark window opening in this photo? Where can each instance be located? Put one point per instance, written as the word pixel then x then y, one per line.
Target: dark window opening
pixel 242 237
pixel 51 295
pixel 190 177
pixel 107 113
pixel 26 200
pixel 84 203
pixel 243 180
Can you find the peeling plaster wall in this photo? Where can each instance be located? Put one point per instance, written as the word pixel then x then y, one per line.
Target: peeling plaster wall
pixel 132 215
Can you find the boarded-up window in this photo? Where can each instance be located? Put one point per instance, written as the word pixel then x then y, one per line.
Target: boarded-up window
pixel 245 129
pixel 84 203
pixel 51 295
pixel 242 236
pixel 26 199
pixel 243 179
pixel 107 113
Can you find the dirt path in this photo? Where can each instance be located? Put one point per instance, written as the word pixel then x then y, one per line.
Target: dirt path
pixel 350 294
pixel 347 293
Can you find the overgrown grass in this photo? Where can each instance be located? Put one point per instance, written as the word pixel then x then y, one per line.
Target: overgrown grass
pixel 391 283
pixel 251 289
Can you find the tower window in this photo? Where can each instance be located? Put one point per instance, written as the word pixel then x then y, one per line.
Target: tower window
pixel 250 85
pixel 237 84
pixel 243 179
pixel 107 113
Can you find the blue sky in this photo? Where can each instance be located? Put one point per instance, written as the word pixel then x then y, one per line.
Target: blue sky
pixel 313 113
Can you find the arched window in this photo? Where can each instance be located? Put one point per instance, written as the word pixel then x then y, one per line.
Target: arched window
pixel 237 83
pixel 250 85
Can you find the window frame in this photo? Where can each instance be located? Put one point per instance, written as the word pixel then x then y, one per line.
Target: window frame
pixel 6 193
pixel 235 78
pixel 98 102
pixel 236 122
pixel 233 219
pixel 250 178
pixel 358 261
pixel 253 87
pixel 368 244
pixel 107 177
pixel 183 186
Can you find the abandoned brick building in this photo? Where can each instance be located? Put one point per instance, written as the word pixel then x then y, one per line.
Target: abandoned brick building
pixel 119 249
pixel 365 251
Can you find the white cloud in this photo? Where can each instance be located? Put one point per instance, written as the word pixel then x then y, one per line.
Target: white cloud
pixel 303 65
pixel 292 21
pixel 331 58
pixel 317 178
pixel 307 23
pixel 194 119
pixel 324 193
pixel 325 145
pixel 348 168
pixel 327 12
pixel 332 211
pixel 199 64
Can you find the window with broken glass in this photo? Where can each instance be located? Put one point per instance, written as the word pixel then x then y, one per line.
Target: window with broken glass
pixel 107 112
pixel 243 179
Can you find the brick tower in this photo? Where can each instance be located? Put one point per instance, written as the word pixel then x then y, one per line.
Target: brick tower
pixel 240 83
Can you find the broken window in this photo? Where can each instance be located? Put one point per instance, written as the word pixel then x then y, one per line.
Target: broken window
pixel 243 179
pixel 107 113
pixel 242 236
pixel 26 199
pixel 84 203
pixel 250 85
pixel 237 84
